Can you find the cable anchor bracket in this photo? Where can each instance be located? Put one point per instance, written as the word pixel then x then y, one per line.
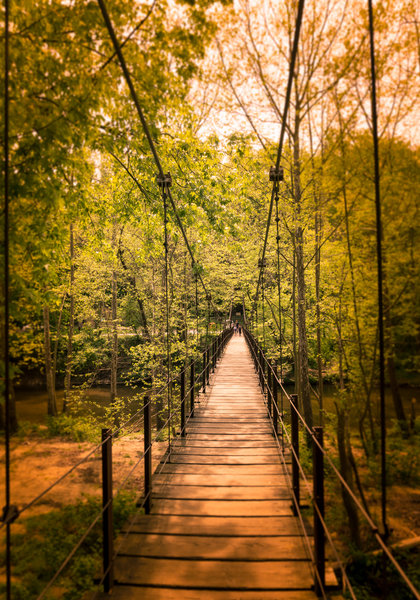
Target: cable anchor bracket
pixel 164 181
pixel 276 175
pixel 10 514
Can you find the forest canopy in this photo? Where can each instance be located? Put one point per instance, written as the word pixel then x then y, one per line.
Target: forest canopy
pixel 94 297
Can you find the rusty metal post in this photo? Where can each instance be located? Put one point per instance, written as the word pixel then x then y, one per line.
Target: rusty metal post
pixel 204 371
pixel 147 454
pixel 192 385
pixel 275 404
pixel 208 359
pixel 107 515
pixel 295 455
pixel 318 493
pixel 269 391
pixel 182 395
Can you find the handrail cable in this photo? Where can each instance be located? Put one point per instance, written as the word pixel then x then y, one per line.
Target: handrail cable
pixel 372 525
pixel 140 506
pixel 73 551
pixel 100 513
pixel 379 235
pixel 309 491
pixel 293 57
pixel 308 488
pixel 165 188
pixel 91 452
pixel 281 451
pixel 146 130
pixel 8 509
pixel 296 504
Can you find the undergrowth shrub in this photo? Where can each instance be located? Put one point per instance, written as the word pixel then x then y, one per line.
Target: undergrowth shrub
pixel 47 539
pixel 374 577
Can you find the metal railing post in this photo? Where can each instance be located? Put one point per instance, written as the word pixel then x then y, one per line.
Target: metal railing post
pixel 182 394
pixel 107 515
pixel 208 365
pixel 192 385
pixel 204 371
pixel 318 493
pixel 269 390
pixel 295 455
pixel 147 454
pixel 275 403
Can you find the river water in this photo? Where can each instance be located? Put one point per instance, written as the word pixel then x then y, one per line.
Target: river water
pixel 31 405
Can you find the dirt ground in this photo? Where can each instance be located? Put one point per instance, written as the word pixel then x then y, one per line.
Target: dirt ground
pixel 37 462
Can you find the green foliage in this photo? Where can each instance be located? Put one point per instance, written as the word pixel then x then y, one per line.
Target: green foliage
pixel 403 458
pixel 76 428
pixel 374 577
pixel 39 551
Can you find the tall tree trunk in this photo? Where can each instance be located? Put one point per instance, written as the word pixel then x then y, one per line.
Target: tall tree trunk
pixel 13 421
pixel 390 352
pixel 49 377
pixel 318 307
pixel 300 280
pixel 114 335
pixel 132 281
pixel 295 352
pixel 69 360
pixel 346 472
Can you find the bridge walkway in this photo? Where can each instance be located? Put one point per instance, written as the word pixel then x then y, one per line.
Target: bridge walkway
pixel 221 524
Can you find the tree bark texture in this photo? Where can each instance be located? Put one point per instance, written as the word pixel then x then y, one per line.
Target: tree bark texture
pixel 304 388
pixel 49 378
pixel 69 359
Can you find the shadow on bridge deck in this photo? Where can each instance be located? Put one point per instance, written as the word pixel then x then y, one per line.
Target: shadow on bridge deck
pixel 221 524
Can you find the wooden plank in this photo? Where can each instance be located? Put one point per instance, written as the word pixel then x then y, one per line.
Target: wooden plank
pixel 165 593
pixel 229 436
pixel 223 451
pixel 221 508
pixel 196 547
pixel 225 459
pixel 240 470
pixel 238 575
pixel 223 480
pixel 221 524
pixel 195 492
pixel 197 443
pixel 215 526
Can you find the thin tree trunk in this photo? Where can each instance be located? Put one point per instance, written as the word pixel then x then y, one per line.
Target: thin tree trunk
pixel 69 360
pixel 346 472
pixel 295 355
pixel 52 401
pixel 114 347
pixel 304 390
pixel 390 363
pixel 318 307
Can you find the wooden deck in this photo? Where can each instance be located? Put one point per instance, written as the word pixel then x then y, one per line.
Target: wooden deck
pixel 221 525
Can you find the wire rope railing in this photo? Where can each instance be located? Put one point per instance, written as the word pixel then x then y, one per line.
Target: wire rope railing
pixel 270 382
pixel 178 418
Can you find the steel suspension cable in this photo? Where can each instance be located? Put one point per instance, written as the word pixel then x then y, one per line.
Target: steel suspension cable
pixel 263 305
pixel 168 341
pixel 145 126
pixel 368 518
pixel 279 291
pixel 196 313
pixel 293 57
pixel 379 236
pixel 7 512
